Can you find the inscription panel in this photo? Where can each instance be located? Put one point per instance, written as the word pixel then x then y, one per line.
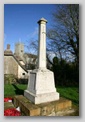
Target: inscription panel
pixel 32 80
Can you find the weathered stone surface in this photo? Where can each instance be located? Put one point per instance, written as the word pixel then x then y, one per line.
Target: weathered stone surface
pixel 8 105
pixel 61 107
pixel 41 87
pixel 42 44
pixel 73 111
pixel 46 108
pixel 26 107
pixel 62 104
pixel 30 110
pixel 10 66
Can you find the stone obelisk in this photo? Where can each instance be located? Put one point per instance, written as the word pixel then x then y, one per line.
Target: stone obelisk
pixel 41 87
pixel 42 44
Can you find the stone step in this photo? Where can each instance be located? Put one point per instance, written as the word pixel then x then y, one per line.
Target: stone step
pixel 8 105
pixel 62 107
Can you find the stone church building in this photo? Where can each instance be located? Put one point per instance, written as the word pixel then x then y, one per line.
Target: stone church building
pixel 15 64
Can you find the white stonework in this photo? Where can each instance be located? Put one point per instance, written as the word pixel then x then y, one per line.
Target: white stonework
pixel 41 87
pixel 22 74
pixel 42 44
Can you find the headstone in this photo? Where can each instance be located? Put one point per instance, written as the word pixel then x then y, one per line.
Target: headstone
pixel 41 87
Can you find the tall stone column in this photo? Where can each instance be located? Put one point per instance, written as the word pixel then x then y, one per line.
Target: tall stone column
pixel 41 86
pixel 42 44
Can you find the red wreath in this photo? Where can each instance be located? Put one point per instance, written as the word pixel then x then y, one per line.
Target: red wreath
pixel 7 99
pixel 11 112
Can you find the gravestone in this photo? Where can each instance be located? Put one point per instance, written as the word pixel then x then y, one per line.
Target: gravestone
pixel 41 87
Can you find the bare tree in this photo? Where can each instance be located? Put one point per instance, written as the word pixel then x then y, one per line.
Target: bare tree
pixel 64 34
pixel 32 46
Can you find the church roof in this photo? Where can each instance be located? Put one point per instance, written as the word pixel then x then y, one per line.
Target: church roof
pixel 8 52
pixel 30 55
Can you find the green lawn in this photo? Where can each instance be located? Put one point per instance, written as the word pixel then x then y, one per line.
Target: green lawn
pixel 71 93
pixel 11 90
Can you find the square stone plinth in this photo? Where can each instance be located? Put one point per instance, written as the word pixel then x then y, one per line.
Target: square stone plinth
pixel 41 98
pixel 54 108
pixel 41 87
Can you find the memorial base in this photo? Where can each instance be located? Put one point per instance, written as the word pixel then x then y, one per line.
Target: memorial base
pixel 41 87
pixel 61 107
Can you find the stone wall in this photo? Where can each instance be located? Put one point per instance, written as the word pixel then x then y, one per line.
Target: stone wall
pixel 13 72
pixel 10 66
pixel 55 108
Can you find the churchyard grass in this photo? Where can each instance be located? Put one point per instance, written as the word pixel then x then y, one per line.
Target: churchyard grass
pixel 11 90
pixel 71 93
